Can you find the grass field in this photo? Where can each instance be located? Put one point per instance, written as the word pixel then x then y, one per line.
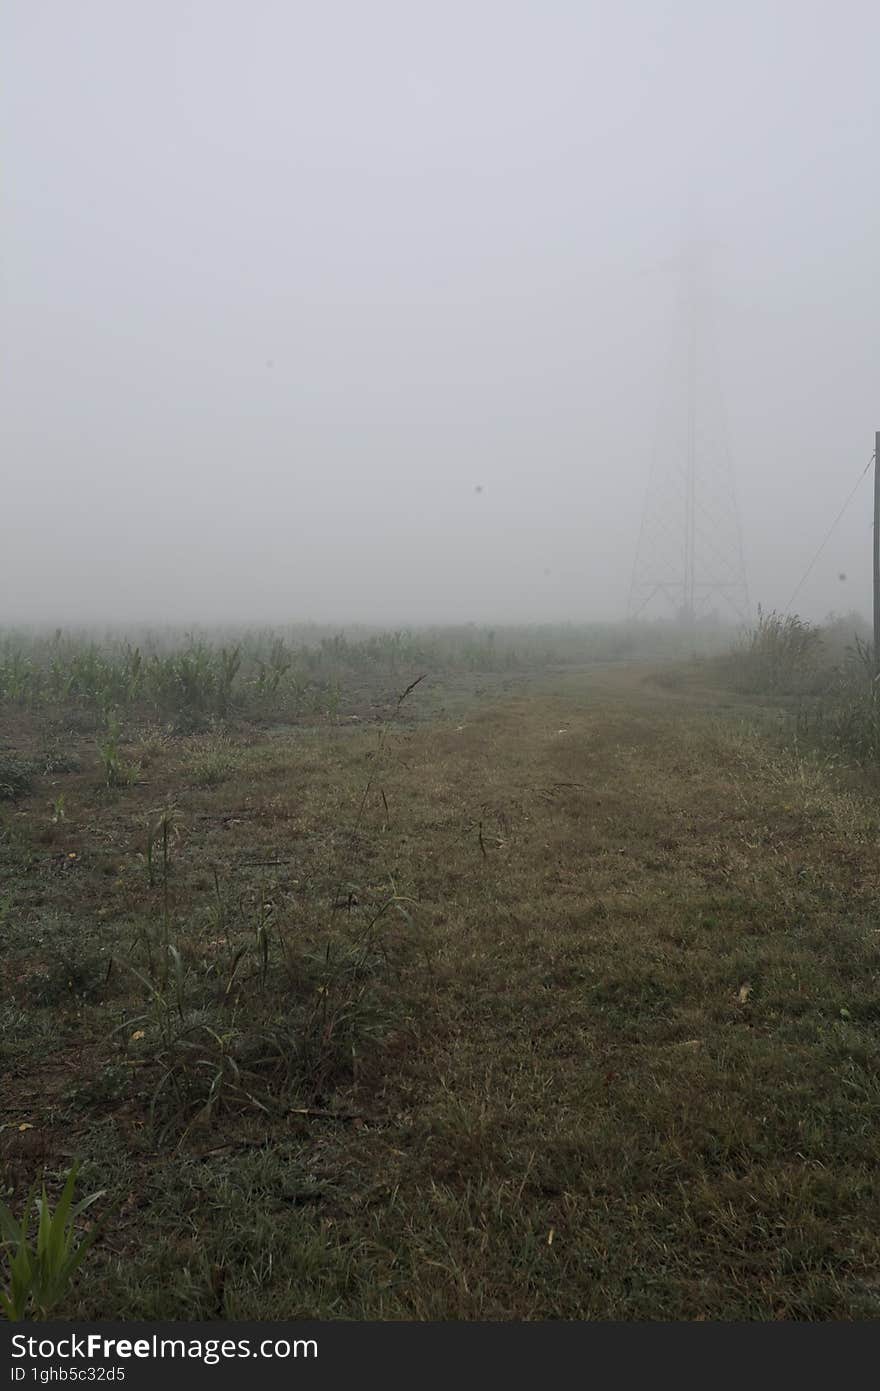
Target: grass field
pixel 542 994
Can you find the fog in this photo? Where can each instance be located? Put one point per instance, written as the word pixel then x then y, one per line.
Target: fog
pixel 361 311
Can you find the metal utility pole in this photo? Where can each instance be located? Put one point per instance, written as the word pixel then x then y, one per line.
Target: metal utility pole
pixel 877 554
pixel 690 474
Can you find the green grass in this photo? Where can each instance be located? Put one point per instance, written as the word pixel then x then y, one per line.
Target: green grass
pixel 561 1001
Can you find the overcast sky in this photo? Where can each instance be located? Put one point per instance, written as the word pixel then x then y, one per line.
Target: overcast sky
pixel 285 284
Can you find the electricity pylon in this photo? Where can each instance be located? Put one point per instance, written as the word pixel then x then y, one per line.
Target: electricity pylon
pixel 690 556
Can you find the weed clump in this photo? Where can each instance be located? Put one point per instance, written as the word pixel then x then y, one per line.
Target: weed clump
pixel 259 1025
pixel 16 776
pixel 42 1266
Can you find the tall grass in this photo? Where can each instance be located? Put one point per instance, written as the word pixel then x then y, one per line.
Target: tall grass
pixel 781 655
pixel 192 679
pixel 187 681
pixel 824 673
pixel 845 718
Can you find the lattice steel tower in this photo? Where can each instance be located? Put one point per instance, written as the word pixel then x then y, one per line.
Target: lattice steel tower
pixel 690 556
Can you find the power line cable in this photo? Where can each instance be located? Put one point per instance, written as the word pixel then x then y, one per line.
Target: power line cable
pixel 828 536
